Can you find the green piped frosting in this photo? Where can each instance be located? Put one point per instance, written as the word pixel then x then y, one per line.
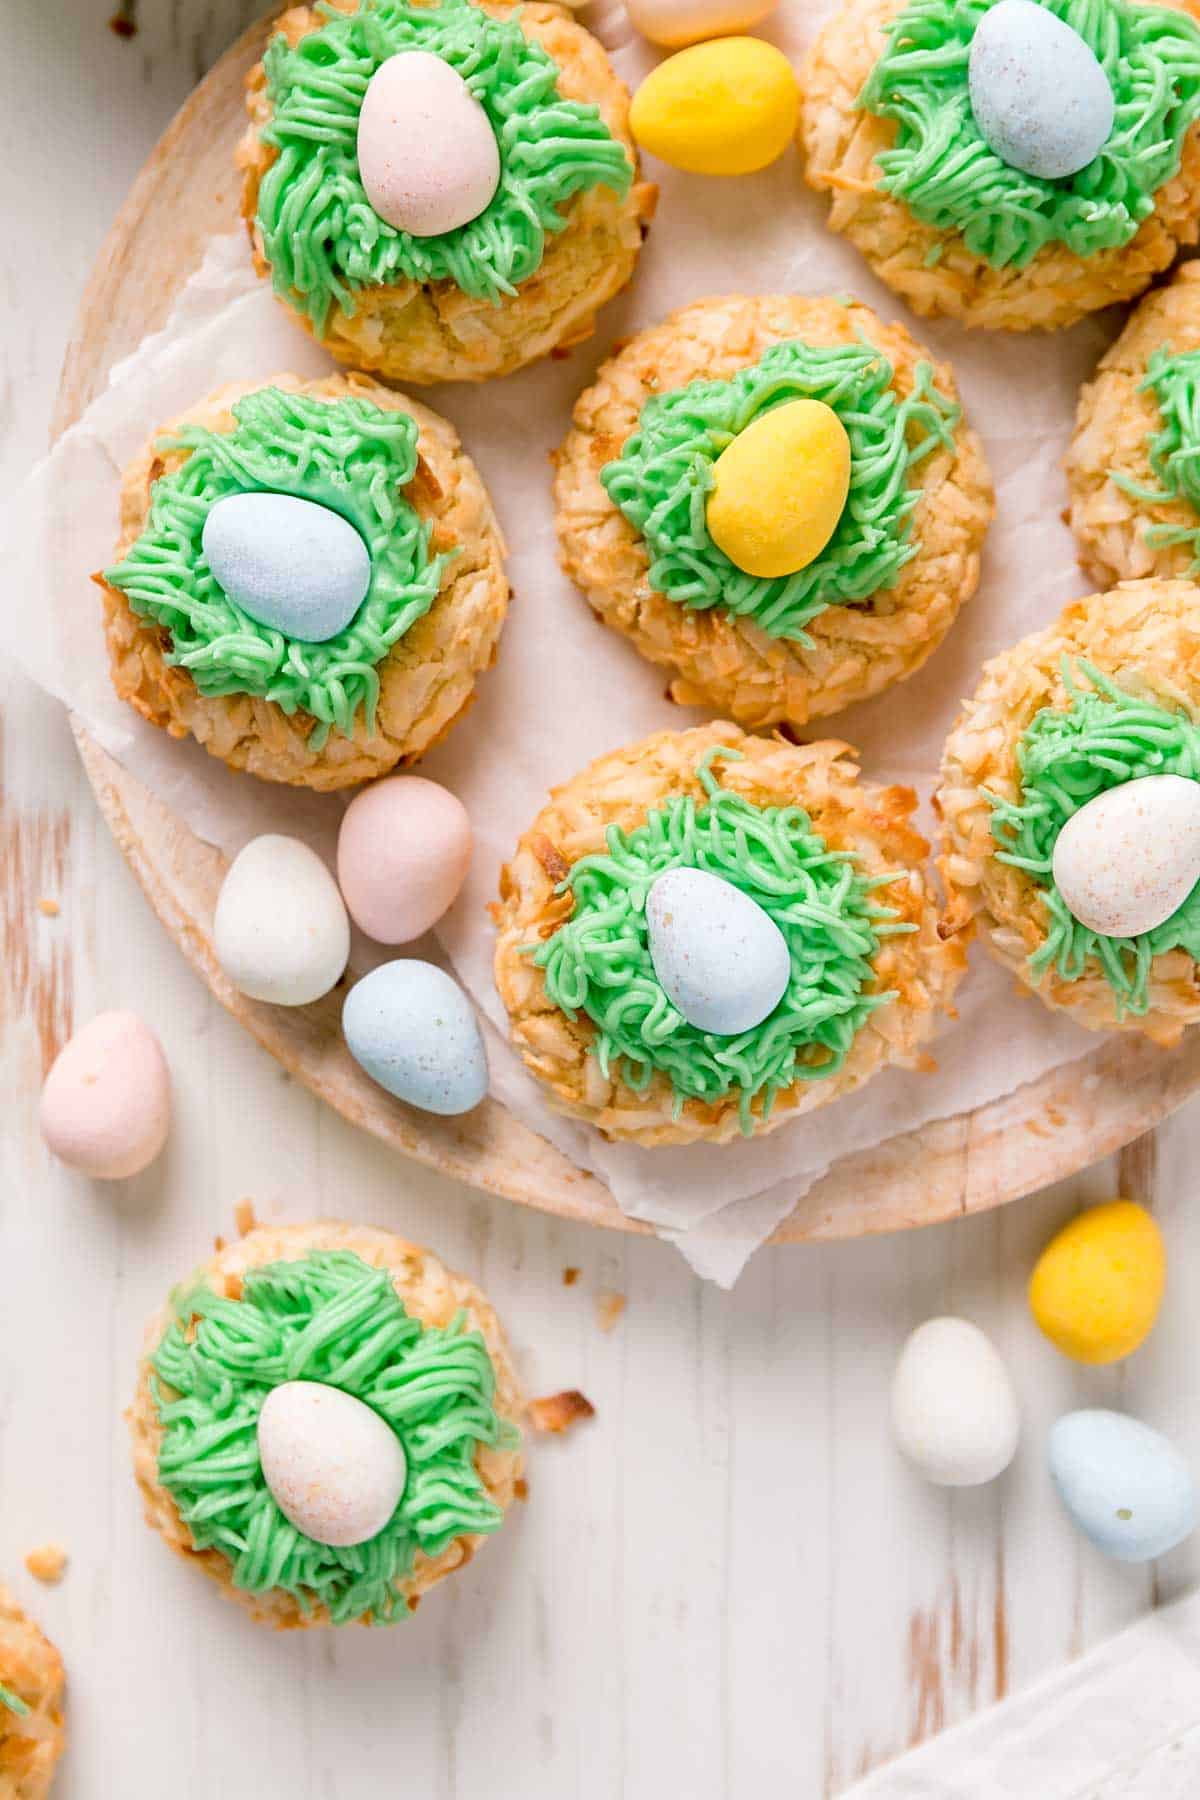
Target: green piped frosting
pixel 949 177
pixel 327 1317
pixel 663 477
pixel 346 454
pixel 599 961
pixel 1104 737
pixel 322 238
pixel 1174 450
pixel 12 1701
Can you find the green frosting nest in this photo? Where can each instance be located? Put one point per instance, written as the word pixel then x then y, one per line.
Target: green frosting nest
pixel 1103 738
pixel 347 454
pixel 1174 451
pixel 943 170
pixel 327 1317
pixel 663 477
pixel 321 235
pixel 599 961
pixel 12 1701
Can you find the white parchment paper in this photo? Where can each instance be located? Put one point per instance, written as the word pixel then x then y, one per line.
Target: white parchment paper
pixel 564 688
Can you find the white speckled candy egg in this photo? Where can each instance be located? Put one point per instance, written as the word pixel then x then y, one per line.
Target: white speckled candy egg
pixel 280 930
pixel 413 1030
pixel 1125 1485
pixel 720 958
pixel 335 1469
pixel 427 154
pixel 1039 96
pixel 674 23
pixel 1129 858
pixel 402 855
pixel 294 566
pixel 106 1103
pixel 954 1411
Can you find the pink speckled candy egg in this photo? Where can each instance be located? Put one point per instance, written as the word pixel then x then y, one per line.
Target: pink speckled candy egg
pixel 1129 859
pixel 427 154
pixel 106 1103
pixel 335 1469
pixel 402 856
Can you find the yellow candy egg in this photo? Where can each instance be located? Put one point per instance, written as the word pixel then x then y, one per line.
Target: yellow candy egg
pixel 727 107
pixel 779 488
pixel 1097 1286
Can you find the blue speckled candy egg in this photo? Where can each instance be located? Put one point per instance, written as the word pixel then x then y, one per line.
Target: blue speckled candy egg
pixel 413 1030
pixel 293 565
pixel 720 958
pixel 1039 96
pixel 1125 1485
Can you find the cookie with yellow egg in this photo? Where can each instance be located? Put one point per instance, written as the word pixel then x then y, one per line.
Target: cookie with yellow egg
pixel 777 498
pixel 32 1705
pixel 1014 164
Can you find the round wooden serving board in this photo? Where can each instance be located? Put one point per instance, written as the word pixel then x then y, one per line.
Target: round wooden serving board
pixel 186 194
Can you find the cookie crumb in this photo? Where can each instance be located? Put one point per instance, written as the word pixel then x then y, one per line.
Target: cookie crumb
pixel 243 1217
pixel 570 1277
pixel 520 1488
pixel 218 1243
pixel 555 1413
pixel 48 908
pixel 609 1307
pixel 47 1563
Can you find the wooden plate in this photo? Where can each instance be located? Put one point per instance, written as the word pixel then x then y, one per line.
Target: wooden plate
pixel 188 192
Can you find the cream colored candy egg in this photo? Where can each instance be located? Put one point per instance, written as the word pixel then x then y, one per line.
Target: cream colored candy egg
pixel 280 929
pixel 1129 859
pixel 780 488
pixel 402 855
pixel 674 23
pixel 954 1409
pixel 427 154
pixel 106 1103
pixel 724 108
pixel 335 1469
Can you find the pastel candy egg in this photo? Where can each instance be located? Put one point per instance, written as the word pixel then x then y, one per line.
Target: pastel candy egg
pixel 677 22
pixel 106 1103
pixel 954 1411
pixel 402 855
pixel 1098 1284
pixel 413 1030
pixel 780 488
pixel 1041 100
pixel 294 566
pixel 280 929
pixel 1129 859
pixel 720 959
pixel 427 154
pixel 1124 1485
pixel 723 108
pixel 335 1469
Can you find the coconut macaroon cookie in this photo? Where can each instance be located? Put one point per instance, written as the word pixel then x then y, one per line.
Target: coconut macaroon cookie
pixel 441 192
pixel 706 934
pixel 1133 466
pixel 308 581
pixel 1070 807
pixel 32 1702
pixel 778 498
pixel 1011 163
pixel 327 1423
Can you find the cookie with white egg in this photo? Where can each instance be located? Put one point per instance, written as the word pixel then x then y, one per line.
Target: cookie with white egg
pixel 401 234
pixel 657 1015
pixel 1133 459
pixel 397 1426
pixel 33 1731
pixel 237 667
pixel 997 166
pixel 1070 810
pixel 865 607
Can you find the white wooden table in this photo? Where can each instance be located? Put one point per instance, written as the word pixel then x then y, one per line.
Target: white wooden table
pixel 727 1583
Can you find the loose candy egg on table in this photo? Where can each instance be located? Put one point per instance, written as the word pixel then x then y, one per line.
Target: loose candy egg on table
pixel 293 565
pixel 336 1470
pixel 1124 1485
pixel 780 488
pixel 280 929
pixel 1098 1284
pixel 1040 98
pixel 427 154
pixel 721 960
pixel 674 23
pixel 414 1032
pixel 1129 859
pixel 724 108
pixel 402 855
pixel 106 1103
pixel 954 1410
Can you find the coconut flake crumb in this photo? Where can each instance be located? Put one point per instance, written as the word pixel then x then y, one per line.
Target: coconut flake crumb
pixel 556 1413
pixel 609 1307
pixel 47 1563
